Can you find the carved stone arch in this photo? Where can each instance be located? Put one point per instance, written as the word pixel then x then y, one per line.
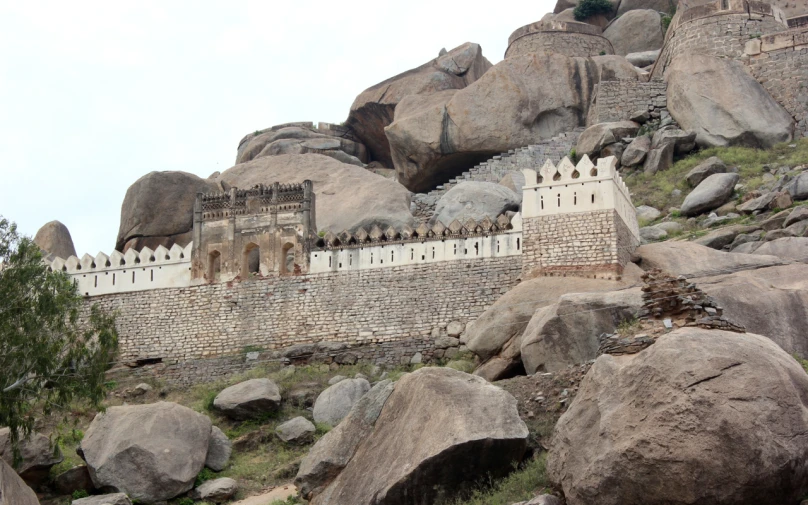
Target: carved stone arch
pixel 287 259
pixel 251 260
pixel 214 266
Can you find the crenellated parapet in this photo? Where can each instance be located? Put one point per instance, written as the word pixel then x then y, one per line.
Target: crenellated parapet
pixel 377 248
pixel 118 272
pixel 577 219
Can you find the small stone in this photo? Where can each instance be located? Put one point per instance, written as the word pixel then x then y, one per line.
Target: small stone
pixel 668 323
pixel 416 359
pixel 296 431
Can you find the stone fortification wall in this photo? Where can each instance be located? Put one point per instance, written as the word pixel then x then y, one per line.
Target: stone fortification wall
pixel 584 243
pixel 493 170
pixel 385 314
pixel 568 38
pixel 720 28
pixel 780 63
pixel 620 100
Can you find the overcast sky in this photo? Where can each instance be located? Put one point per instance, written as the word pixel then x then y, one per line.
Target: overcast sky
pixel 93 95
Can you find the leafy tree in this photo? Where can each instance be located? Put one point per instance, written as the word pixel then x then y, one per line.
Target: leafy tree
pixel 53 349
pixel 587 8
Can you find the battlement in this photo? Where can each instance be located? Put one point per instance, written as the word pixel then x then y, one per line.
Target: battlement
pixel 130 271
pixel 577 219
pixel 565 37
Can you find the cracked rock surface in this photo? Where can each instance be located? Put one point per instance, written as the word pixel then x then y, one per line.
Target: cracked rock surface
pixel 706 416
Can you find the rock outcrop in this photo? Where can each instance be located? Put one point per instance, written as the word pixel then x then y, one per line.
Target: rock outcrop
pixel 249 399
pixel 54 238
pixel 566 333
pixel 496 335
pixel 151 452
pixel 299 140
pixel 331 453
pixel 104 499
pixel 158 209
pixel 475 200
pixel 374 108
pixel 635 31
pixel 520 100
pixel 13 490
pixel 693 260
pixel 219 450
pixel 711 193
pixel 336 401
pixel 723 104
pixel 416 450
pixel 687 411
pixel 600 135
pixel 36 453
pixel 346 196
pixel 708 167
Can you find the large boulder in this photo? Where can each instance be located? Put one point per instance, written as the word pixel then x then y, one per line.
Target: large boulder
pixel 346 196
pixel 723 104
pixel 299 140
pixel 216 490
pixel 495 336
pixel 693 260
pixel 600 135
pixel 518 102
pixel 798 187
pixel 416 451
pixel 104 499
pixel 711 193
pixel 37 456
pixel 13 490
pixel 151 452
pixel 708 167
pixel 158 209
pixel 219 450
pixel 767 301
pixel 336 401
pixel 677 422
pixel 374 108
pixel 54 238
pixel 636 151
pixel 787 248
pixel 566 333
pixel 636 31
pixel 331 453
pixel 249 399
pixel 655 5
pixel 475 200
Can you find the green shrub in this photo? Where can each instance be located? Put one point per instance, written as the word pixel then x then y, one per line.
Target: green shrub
pixel 523 484
pixel 803 362
pixel 588 8
pixel 205 475
pixel 80 493
pixel 184 501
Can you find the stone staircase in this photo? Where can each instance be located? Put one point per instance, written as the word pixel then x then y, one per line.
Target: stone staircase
pixel 493 170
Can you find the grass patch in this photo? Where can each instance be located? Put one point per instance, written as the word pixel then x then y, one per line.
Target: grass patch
pixel 521 485
pixel 67 439
pixel 656 190
pixel 628 327
pixel 802 362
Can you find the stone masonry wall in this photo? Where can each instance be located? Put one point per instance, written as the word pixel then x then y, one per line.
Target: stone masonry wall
pixel 619 100
pixel 586 243
pixel 384 315
pixel 567 43
pixel 783 71
pixel 722 35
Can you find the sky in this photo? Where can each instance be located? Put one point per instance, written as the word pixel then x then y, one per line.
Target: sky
pixel 94 95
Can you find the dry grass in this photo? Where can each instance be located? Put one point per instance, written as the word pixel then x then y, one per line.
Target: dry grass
pixel 656 190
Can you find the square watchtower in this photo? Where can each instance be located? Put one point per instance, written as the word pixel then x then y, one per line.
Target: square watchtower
pixel 260 231
pixel 577 220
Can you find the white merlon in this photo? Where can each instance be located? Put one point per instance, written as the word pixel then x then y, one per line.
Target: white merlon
pixel 585 187
pixel 417 252
pixel 130 271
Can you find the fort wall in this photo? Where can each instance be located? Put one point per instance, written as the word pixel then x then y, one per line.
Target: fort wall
pixel 780 63
pixel 384 315
pixel 620 100
pixel 568 38
pixel 720 28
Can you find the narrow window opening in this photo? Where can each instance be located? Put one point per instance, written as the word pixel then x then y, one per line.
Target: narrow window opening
pixel 517 243
pixel 455 249
pixel 113 279
pixel 371 258
pixel 329 262
pixel 133 276
pixel 559 199
pixel 152 275
pixel 350 259
pixel 392 256
pixel 593 197
pixel 433 253
pixel 575 198
pixel 95 285
pixel 476 248
pixel 412 254
pixel 541 199
pixel 497 245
